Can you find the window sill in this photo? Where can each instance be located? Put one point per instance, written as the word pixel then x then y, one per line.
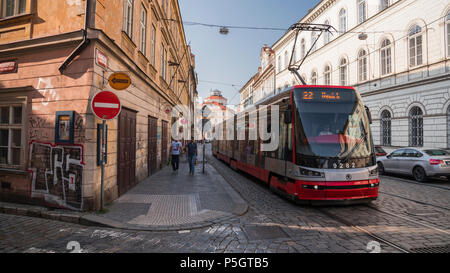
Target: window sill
pixel 21 18
pixel 128 38
pixel 13 171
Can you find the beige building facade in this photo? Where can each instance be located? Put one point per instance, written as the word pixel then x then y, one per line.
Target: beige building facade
pixel 54 57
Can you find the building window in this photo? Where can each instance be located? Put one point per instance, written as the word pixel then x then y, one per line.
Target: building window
pixel 362 9
pixel 11 130
pixel 12 7
pixel 415 46
pixel 343 67
pixel 303 48
pixel 362 66
pixel 384 4
pixel 279 64
pixel 447 26
pixel 128 18
pixel 286 59
pixel 342 21
pixel 448 127
pixel 386 128
pixel 153 45
pixel 327 35
pixel 327 75
pixel 314 78
pixel 163 62
pixel 313 41
pixel 386 57
pixel 294 56
pixel 416 127
pixel 143 42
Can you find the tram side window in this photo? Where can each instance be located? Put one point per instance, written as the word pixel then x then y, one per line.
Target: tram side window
pixel 271 154
pixel 285 144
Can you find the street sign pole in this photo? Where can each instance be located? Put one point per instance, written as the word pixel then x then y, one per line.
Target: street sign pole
pixel 105 106
pixel 103 141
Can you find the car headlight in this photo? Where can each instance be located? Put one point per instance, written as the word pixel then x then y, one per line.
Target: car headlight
pixel 305 172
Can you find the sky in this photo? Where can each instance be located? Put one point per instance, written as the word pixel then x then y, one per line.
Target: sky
pixel 233 59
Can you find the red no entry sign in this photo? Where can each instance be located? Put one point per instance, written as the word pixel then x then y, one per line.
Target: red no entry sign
pixel 106 105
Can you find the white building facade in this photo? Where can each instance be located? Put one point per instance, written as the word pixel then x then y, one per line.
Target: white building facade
pixel 394 52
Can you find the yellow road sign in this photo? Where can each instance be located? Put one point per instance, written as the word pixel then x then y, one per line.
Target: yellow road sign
pixel 119 81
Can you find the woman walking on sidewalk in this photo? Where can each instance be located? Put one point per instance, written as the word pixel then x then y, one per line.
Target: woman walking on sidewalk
pixel 192 155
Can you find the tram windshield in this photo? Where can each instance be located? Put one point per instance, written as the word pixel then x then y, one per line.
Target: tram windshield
pixel 332 128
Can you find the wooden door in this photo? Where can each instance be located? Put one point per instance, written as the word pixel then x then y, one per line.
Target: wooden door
pixel 152 145
pixel 126 156
pixel 164 143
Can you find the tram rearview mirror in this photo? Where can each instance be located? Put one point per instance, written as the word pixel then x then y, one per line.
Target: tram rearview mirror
pixel 288 116
pixel 369 115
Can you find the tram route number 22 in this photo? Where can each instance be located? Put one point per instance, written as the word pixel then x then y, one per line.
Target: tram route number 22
pixel 308 95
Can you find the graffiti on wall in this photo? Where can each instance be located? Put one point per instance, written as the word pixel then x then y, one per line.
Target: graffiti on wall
pixel 57 174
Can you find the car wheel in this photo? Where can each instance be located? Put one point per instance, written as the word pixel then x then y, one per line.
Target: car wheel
pixel 419 174
pixel 380 168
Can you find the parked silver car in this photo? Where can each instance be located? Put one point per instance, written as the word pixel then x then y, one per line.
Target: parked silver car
pixel 418 162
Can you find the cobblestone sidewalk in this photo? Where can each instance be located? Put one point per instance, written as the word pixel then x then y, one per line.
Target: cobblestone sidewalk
pixel 175 200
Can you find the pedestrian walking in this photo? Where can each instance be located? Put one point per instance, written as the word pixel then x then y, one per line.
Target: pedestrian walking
pixel 176 147
pixel 192 155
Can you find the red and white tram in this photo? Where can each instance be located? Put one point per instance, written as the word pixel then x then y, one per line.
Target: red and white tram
pixel 325 151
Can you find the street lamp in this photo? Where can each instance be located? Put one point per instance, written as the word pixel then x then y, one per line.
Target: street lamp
pixel 203 136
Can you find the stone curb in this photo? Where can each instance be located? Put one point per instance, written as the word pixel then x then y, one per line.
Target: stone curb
pixel 88 219
pixel 40 212
pixel 240 206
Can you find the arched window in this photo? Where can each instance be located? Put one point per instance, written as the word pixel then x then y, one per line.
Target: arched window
pixel 313 41
pixel 362 65
pixel 448 127
pixel 447 26
pixel 386 128
pixel 386 57
pixel 302 48
pixel 416 127
pixel 343 67
pixel 286 59
pixel 279 64
pixel 362 9
pixel 327 35
pixel 415 46
pixel 342 21
pixel 314 78
pixel 327 75
pixel 384 4
pixel 294 56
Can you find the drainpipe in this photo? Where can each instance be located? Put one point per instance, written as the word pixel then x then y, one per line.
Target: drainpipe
pixel 83 44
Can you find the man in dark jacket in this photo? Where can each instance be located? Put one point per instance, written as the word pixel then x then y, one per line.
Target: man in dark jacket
pixel 192 155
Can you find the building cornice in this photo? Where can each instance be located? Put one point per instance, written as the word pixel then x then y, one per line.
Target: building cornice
pixel 65 38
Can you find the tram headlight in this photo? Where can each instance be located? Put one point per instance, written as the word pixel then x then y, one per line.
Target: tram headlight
pixel 305 172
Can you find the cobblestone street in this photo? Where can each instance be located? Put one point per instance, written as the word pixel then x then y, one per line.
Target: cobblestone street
pixel 407 217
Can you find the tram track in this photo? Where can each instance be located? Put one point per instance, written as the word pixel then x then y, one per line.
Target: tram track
pixel 383 239
pixel 361 229
pixel 399 179
pixel 416 201
pixel 408 219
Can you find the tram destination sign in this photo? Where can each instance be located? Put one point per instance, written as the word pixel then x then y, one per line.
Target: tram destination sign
pixel 327 95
